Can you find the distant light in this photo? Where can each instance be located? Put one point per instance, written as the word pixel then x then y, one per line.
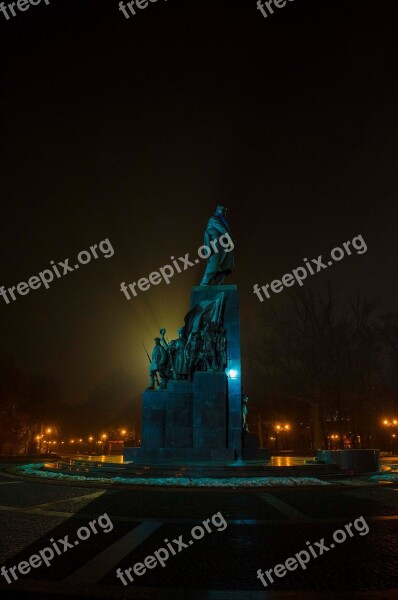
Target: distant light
pixel 232 373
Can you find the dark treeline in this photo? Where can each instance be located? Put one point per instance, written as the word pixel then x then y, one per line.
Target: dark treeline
pixel 329 366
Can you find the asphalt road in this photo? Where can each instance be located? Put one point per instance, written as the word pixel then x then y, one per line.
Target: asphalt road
pixel 263 529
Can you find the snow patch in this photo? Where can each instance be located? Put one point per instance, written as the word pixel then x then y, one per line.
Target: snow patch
pixel 35 470
pixel 385 477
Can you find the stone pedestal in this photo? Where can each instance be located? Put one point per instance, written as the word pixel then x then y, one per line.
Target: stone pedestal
pixel 178 423
pixel 232 326
pixel 200 420
pixel 210 410
pixel 352 460
pixel 185 422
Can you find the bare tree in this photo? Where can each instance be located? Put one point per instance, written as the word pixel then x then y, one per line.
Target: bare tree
pixel 323 352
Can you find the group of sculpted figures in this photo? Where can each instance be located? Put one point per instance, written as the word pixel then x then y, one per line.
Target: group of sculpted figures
pixel 204 350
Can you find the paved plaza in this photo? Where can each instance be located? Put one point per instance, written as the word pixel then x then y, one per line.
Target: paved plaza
pixel 265 527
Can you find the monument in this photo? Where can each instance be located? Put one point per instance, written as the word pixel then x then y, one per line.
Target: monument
pixel 194 409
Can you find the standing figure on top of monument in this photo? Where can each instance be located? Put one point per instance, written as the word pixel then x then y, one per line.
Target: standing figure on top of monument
pixel 177 357
pixel 219 240
pixel 158 365
pixel 221 349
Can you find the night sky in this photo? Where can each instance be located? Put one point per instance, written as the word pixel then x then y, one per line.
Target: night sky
pixel 134 130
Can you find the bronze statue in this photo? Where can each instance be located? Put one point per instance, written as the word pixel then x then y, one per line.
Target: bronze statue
pixel 221 349
pixel 206 355
pixel 177 359
pixel 158 365
pixel 192 350
pixel 245 400
pixel 218 238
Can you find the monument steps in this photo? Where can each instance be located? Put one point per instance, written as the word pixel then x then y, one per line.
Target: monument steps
pixel 192 470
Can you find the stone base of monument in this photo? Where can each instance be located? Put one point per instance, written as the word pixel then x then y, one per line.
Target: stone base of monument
pixel 352 461
pixel 188 422
pixel 90 467
pixel 251 450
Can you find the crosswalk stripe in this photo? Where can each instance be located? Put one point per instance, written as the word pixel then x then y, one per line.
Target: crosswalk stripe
pixel 90 497
pixel 10 482
pixel 101 564
pixel 284 508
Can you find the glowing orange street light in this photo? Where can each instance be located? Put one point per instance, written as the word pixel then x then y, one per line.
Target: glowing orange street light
pixel 388 423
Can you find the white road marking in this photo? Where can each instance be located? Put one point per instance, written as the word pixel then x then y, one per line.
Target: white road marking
pixel 284 508
pixel 10 482
pixel 101 564
pixel 89 497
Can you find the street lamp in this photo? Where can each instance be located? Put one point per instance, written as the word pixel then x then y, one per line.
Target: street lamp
pixel 392 423
pixel 278 430
pixel 38 440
